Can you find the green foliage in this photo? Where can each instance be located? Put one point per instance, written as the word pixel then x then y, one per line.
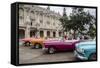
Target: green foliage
pixel 76 21
pixel 92 31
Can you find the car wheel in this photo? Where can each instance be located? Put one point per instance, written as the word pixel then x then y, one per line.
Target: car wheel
pixel 37 46
pixel 51 50
pixel 92 56
pixel 27 43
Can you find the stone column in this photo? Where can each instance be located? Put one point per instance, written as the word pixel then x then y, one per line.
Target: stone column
pixel 65 33
pixel 27 32
pixel 27 23
pixel 38 33
pixel 57 34
pixel 45 33
pixel 62 33
pixel 51 33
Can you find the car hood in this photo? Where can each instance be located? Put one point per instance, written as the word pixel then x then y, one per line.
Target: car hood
pixel 86 45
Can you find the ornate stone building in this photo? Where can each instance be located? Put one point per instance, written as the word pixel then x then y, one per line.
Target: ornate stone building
pixel 38 21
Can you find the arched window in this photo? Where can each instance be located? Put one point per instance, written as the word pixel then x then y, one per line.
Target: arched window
pixel 32 15
pixel 54 34
pixel 48 33
pixel 21 33
pixel 32 33
pixel 60 34
pixel 41 33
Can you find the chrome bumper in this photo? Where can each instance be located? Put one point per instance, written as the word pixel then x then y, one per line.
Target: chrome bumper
pixel 79 56
pixel 44 50
pixel 21 42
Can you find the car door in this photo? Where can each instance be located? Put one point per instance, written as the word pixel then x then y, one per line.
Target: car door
pixel 60 46
pixel 68 45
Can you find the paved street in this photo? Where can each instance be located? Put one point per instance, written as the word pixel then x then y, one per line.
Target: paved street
pixel 28 55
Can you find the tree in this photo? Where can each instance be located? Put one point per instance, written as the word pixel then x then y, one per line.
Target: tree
pixel 65 21
pixel 92 29
pixel 76 21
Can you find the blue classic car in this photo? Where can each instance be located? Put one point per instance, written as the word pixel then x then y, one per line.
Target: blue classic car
pixel 86 50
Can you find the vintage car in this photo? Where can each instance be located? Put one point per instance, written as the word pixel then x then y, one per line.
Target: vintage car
pixel 59 45
pixel 86 50
pixel 34 42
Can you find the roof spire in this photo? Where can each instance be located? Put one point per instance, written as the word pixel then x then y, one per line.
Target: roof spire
pixel 48 7
pixel 64 11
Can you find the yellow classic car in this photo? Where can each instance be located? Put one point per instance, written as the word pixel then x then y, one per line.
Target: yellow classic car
pixel 33 42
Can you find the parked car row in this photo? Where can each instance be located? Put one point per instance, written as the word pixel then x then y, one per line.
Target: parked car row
pixel 83 49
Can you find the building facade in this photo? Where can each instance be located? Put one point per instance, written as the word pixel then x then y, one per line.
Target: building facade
pixel 38 21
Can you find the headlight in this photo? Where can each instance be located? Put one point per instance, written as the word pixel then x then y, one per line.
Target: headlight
pixel 76 45
pixel 21 42
pixel 80 50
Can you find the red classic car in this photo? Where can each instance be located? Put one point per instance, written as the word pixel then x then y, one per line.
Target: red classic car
pixel 59 45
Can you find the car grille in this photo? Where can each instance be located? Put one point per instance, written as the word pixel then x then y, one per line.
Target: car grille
pixel 79 52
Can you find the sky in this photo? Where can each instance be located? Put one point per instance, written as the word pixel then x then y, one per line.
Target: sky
pixel 69 10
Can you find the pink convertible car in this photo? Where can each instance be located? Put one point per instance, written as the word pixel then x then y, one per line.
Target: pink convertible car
pixel 59 45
